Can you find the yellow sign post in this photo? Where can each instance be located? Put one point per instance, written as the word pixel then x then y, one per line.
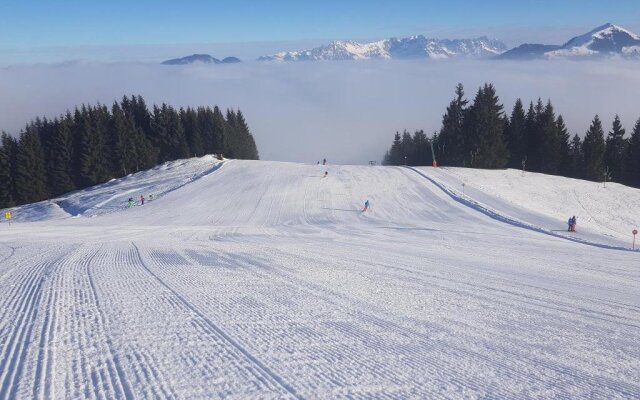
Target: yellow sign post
pixel 8 216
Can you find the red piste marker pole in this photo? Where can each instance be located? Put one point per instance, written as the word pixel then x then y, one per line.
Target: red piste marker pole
pixel 635 232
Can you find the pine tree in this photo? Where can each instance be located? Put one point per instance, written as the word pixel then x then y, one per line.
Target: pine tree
pixel 118 142
pixel 421 154
pixel 616 151
pixel 564 166
pixel 530 138
pixel 593 149
pixel 535 137
pixel 395 154
pixel 515 133
pixel 451 140
pixel 30 178
pixel 248 148
pixel 484 129
pixel 231 142
pixel 576 158
pixel 550 154
pixel 92 157
pixel 632 167
pixel 61 181
pixel 8 153
pixel 189 119
pixel 168 134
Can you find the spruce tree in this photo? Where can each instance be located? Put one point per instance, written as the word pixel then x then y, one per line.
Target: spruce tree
pixel 30 176
pixel 92 157
pixel 248 148
pixel 168 133
pixel 530 139
pixel 421 154
pixel 484 129
pixel 231 142
pixel 550 154
pixel 616 151
pixel 407 148
pixel 576 158
pixel 8 153
pixel 536 140
pixel 61 181
pixel 118 142
pixel 189 119
pixel 632 167
pixel 395 154
pixel 451 140
pixel 515 134
pixel 564 166
pixel 593 149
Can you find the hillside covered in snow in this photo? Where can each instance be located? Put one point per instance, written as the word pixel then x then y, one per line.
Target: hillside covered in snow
pixel 256 279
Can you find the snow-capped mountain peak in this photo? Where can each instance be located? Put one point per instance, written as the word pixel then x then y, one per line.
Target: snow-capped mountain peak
pixel 393 48
pixel 608 40
pixel 605 32
pixel 603 40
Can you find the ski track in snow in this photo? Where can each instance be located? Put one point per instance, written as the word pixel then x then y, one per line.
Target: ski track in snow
pixel 265 280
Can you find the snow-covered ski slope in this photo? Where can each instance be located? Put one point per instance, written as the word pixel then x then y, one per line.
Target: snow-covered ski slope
pixel 253 279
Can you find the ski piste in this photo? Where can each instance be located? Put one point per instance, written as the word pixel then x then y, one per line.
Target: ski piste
pixel 257 279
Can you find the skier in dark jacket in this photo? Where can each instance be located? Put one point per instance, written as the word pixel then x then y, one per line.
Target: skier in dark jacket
pixel 366 206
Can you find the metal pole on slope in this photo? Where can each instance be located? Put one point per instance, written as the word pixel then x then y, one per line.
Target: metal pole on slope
pixel 635 232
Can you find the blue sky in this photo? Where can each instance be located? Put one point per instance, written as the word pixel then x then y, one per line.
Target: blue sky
pixel 34 24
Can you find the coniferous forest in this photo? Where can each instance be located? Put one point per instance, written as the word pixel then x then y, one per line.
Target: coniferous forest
pixel 481 134
pixel 94 144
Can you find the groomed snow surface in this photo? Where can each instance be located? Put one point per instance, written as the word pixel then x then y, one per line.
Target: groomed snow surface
pixel 253 279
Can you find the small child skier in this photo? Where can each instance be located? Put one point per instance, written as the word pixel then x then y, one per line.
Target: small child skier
pixel 325 174
pixel 130 202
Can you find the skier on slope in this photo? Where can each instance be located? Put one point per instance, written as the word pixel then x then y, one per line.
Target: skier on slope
pixel 325 174
pixel 141 200
pixel 130 202
pixel 366 206
pixel 324 161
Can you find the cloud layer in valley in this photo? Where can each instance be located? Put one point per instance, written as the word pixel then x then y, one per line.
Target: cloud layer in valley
pixel 345 111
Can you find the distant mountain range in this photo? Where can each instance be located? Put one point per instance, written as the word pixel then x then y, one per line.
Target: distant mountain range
pixel 606 41
pixel 201 58
pixel 393 48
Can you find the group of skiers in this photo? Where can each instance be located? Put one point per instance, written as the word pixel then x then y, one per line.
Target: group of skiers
pixel 324 162
pixel 131 202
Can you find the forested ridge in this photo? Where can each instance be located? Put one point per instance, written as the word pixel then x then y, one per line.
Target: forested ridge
pixel 480 134
pixel 93 144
